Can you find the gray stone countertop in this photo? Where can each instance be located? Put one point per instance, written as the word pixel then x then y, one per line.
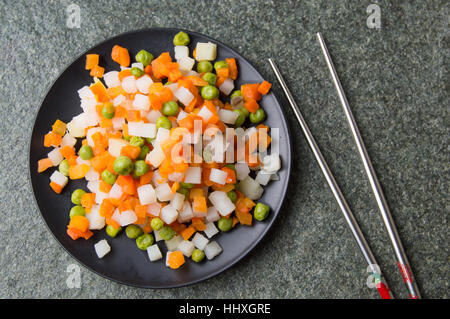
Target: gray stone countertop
pixel 394 78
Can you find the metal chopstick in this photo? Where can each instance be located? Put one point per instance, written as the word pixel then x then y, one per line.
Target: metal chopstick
pixel 402 260
pixel 350 219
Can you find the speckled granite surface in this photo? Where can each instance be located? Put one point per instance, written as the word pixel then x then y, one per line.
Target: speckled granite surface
pixel 395 80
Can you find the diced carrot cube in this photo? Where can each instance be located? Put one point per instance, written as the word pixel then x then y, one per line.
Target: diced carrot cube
pixel 176 259
pixel 264 87
pixel 97 71
pixel 188 232
pixel 78 171
pixel 56 187
pixel 52 139
pixel 43 164
pixel 91 61
pixel 198 223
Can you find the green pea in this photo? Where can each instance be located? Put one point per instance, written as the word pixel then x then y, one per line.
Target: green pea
pixel 245 111
pixel 209 77
pixel 232 195
pixel 143 153
pixel 64 167
pixel 235 94
pixel 258 116
pixel 144 241
pixel 76 196
pixel 181 38
pixel 156 223
pixel 225 224
pixel 220 65
pixel 77 211
pixel 241 118
pixel 86 152
pixel 137 72
pixel 163 121
pixel 170 108
pixel 123 165
pixel 261 211
pixel 140 168
pixel 183 191
pixel 133 231
pixel 109 177
pixel 198 255
pixel 136 141
pixel 144 57
pixel 113 232
pixel 166 232
pixel 127 138
pixel 108 110
pixel 186 185
pixel 204 66
pixel 209 92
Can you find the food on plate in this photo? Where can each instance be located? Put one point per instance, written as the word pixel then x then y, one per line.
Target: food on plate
pixel 166 152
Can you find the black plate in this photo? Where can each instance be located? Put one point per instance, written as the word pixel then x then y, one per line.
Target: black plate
pixel 125 263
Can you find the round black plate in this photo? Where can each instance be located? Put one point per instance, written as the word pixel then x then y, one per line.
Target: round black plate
pixel 125 263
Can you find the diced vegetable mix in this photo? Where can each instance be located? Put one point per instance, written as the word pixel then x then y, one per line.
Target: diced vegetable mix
pixel 131 126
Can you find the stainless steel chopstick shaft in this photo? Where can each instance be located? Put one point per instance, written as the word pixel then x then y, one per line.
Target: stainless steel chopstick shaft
pixel 350 219
pixel 402 260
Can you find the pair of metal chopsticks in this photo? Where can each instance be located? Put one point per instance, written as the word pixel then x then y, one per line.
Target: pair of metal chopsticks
pixel 402 260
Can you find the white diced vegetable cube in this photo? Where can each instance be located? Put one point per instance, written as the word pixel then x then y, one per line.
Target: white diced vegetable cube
pixel 212 215
pixel 173 243
pixel 91 132
pixel 143 83
pixel 218 176
pixel 184 95
pixel 186 213
pixel 157 235
pixel 154 209
pixel 68 140
pixel 227 116
pixel 102 248
pixel 85 93
pixel 147 194
pixel 154 253
pixel 164 192
pixel 251 188
pixel 212 250
pixel 157 179
pixel 115 145
pixel 125 218
pixel 141 102
pixel 153 116
pixel 161 135
pixel 92 175
pixel 210 230
pixel 115 191
pixel 76 129
pixel 271 163
pixel 181 51
pixel 200 241
pixel 59 178
pixel 242 170
pixel 111 79
pixel 169 214
pixel 205 114
pixel 142 129
pixel 155 157
pixel 100 196
pixel 138 65
pixel 186 63
pixel 222 202
pixel 227 86
pixel 95 220
pixel 118 123
pixel 119 100
pixel 186 248
pixel 55 156
pixel 193 175
pixel 206 51
pixel 263 177
pixel 176 177
pixel 93 186
pixel 80 161
pixel 177 201
pixel 129 84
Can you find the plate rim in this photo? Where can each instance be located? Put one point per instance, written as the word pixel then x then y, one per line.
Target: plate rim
pixel 243 254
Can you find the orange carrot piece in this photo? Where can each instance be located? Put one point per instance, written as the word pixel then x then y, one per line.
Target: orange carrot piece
pixel 231 175
pixel 59 127
pixel 124 73
pixel 120 55
pixel 127 184
pixel 146 178
pixel 111 222
pixel 56 187
pixel 43 164
pixel 78 171
pixel 251 105
pixel 196 192
pixel 52 139
pixel 104 187
pixel 232 66
pixel 97 71
pixel 91 61
pixel 130 151
pixel 264 87
pixel 175 187
pixel 176 259
pixel 223 72
pixel 99 91
pixel 199 204
pixel 148 70
pixel 67 151
pixel 106 208
pixel 188 232
pixel 88 200
pixel 80 223
pixel 198 223
pixel 250 92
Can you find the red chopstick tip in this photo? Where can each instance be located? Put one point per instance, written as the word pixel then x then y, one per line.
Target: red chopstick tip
pixel 383 291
